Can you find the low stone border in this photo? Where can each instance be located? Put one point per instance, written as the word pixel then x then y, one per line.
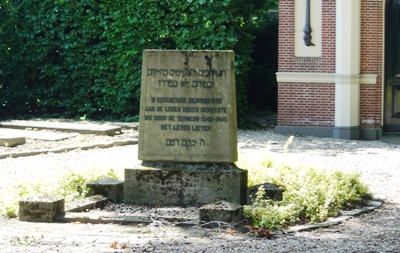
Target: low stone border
pixel 75 212
pixel 106 217
pixel 217 212
pixel 108 144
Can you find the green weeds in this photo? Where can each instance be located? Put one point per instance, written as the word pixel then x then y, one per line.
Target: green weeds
pixel 310 194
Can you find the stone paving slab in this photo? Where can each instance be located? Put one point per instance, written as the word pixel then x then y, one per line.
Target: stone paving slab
pixel 38 135
pixel 11 140
pixel 108 144
pixel 126 125
pixel 62 126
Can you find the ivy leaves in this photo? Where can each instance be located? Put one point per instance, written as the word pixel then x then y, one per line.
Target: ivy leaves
pixel 76 57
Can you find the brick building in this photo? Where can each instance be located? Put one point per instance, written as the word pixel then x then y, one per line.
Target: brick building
pixel 344 82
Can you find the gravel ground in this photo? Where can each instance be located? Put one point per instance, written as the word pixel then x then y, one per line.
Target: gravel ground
pixel 378 163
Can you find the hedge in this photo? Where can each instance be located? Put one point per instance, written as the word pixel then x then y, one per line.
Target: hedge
pixel 83 57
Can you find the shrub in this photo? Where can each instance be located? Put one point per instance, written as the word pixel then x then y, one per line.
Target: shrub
pixel 310 194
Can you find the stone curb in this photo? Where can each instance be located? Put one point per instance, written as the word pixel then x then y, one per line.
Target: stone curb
pixel 346 215
pixel 104 218
pixel 108 144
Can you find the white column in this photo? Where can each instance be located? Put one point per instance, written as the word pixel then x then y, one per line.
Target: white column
pixel 347 77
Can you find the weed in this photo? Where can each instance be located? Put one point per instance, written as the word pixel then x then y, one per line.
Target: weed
pixel 24 240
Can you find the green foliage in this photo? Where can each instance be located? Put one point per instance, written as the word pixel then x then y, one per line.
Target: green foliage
pixel 82 57
pixel 23 240
pixel 266 214
pixel 70 185
pixel 310 194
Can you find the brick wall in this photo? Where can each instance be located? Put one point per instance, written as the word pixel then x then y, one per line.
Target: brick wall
pixel 287 62
pixel 371 62
pixel 302 104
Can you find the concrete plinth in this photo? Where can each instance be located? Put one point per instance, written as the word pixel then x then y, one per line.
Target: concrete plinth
pixel 181 184
pixel 40 209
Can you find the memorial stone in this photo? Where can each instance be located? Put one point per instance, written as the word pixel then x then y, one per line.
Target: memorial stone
pixel 188 131
pixel 188 107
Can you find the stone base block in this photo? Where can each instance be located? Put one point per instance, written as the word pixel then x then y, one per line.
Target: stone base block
pixel 40 209
pixel 11 141
pixel 183 184
pixel 113 189
pixel 221 211
pixel 272 192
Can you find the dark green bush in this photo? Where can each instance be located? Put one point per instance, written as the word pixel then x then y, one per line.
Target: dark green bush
pixel 83 57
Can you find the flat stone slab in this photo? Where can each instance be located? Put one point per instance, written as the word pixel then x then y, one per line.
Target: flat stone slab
pixel 63 127
pixel 11 141
pixel 107 218
pixel 102 218
pixel 95 201
pixel 107 144
pixel 38 135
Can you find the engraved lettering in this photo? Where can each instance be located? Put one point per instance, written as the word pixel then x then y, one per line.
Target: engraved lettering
pixel 160 117
pixel 181 127
pixel 171 100
pixel 190 109
pixel 172 109
pixel 188 118
pixel 165 127
pixel 201 128
pixel 214 110
pixel 172 142
pixel 167 83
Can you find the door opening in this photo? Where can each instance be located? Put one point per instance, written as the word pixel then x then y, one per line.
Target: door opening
pixel 392 66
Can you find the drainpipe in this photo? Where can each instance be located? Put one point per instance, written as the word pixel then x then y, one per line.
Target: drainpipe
pixel 347 76
pixel 307 28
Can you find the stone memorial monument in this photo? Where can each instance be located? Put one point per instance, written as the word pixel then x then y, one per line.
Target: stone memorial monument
pixel 188 131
